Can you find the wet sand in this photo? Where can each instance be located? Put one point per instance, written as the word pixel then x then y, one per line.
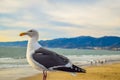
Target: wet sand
pixel 16 73
pixel 102 72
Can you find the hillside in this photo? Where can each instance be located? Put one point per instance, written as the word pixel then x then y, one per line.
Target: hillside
pixel 75 42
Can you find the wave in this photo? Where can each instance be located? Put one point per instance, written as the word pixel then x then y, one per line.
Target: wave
pixel 93 59
pixel 12 60
pixel 76 59
pixel 11 63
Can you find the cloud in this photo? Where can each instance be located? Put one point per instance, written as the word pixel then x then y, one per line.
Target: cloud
pixel 10 35
pixel 99 14
pixel 60 18
pixel 10 6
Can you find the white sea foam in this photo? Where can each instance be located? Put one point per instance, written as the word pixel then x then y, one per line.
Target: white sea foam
pixel 93 59
pixel 76 59
pixel 11 62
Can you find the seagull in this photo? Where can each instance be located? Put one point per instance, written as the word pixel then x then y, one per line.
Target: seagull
pixel 47 60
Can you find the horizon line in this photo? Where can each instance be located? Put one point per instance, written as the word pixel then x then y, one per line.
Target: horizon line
pixel 61 38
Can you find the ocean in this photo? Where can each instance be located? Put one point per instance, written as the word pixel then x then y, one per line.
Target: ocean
pixel 13 57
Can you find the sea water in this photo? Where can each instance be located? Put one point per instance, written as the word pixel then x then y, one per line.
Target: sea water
pixel 15 56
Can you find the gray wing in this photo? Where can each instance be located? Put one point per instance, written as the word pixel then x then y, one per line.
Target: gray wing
pixel 49 58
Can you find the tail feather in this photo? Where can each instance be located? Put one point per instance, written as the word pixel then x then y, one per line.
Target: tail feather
pixel 78 69
pixel 71 69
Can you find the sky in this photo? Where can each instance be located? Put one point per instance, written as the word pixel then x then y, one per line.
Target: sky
pixel 59 18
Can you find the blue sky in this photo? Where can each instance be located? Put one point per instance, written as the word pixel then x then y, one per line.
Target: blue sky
pixel 59 18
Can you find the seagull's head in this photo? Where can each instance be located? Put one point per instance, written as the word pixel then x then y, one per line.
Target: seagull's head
pixel 31 33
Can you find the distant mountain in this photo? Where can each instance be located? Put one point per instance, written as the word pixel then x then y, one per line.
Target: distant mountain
pixel 82 42
pixel 75 42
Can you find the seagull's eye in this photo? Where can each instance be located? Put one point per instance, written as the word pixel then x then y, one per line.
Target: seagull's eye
pixel 30 31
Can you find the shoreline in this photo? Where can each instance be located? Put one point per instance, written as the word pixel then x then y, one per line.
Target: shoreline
pixel 101 72
pixel 94 72
pixel 16 73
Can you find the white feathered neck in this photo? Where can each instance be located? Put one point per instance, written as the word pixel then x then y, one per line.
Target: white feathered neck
pixel 32 45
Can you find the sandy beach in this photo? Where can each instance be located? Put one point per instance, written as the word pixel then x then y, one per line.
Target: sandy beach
pixel 101 72
pixel 16 73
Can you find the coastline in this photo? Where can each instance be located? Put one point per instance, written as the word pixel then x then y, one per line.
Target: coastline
pixel 101 72
pixel 16 73
pixel 108 71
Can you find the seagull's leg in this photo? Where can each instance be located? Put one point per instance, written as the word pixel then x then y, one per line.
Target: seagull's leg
pixel 44 75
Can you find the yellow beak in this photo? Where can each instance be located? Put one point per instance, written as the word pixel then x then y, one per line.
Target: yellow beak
pixel 22 34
